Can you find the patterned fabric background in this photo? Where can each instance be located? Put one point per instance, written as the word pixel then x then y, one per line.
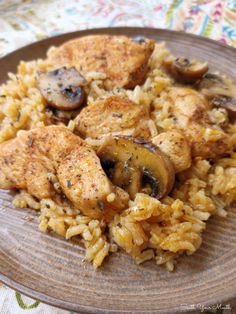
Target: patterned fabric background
pixel 26 21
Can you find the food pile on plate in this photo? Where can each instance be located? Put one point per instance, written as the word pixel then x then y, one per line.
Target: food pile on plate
pixel 116 141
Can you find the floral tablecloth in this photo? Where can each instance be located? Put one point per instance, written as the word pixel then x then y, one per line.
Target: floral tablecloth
pixel 26 21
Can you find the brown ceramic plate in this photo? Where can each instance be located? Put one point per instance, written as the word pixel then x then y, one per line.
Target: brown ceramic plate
pixel 48 268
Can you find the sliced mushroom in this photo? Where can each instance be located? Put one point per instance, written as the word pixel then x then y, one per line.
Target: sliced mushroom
pixel 137 166
pixel 140 39
pixel 220 91
pixel 186 71
pixel 63 88
pixel 56 116
pixel 226 102
pixel 212 84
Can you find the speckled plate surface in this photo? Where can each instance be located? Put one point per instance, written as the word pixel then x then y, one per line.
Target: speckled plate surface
pixel 50 269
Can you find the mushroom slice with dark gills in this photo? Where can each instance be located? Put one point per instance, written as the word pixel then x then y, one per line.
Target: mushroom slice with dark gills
pixel 140 39
pixel 211 83
pixel 63 88
pixel 56 116
pixel 137 166
pixel 185 70
pixel 226 102
pixel 220 91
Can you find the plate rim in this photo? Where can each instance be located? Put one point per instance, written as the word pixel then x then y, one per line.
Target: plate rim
pixel 49 300
pixel 121 28
pixel 42 297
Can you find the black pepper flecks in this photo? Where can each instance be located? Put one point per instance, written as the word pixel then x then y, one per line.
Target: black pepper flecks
pixel 100 205
pixel 68 184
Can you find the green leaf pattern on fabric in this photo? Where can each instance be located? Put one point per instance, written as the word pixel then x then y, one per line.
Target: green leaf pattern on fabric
pixel 23 305
pixel 208 29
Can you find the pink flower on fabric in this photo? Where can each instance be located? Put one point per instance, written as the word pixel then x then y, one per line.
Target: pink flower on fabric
pixel 194 10
pixel 217 12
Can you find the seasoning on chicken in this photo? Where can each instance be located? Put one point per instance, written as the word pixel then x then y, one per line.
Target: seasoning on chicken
pixel 113 115
pixel 189 110
pixel 123 60
pixel 26 161
pixel 176 147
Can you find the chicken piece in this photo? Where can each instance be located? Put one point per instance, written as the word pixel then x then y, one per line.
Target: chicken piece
pixel 124 61
pixel 113 115
pixel 176 147
pixel 188 106
pixel 189 109
pixel 26 161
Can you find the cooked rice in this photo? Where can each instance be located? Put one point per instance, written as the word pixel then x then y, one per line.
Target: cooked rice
pixel 149 228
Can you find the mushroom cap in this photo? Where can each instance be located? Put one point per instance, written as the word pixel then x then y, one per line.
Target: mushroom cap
pixel 63 88
pixel 137 166
pixel 185 70
pixel 220 91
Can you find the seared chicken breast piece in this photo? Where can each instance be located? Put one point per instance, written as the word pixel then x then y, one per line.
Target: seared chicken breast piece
pixel 113 115
pixel 27 160
pixel 123 60
pixel 189 109
pixel 176 147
